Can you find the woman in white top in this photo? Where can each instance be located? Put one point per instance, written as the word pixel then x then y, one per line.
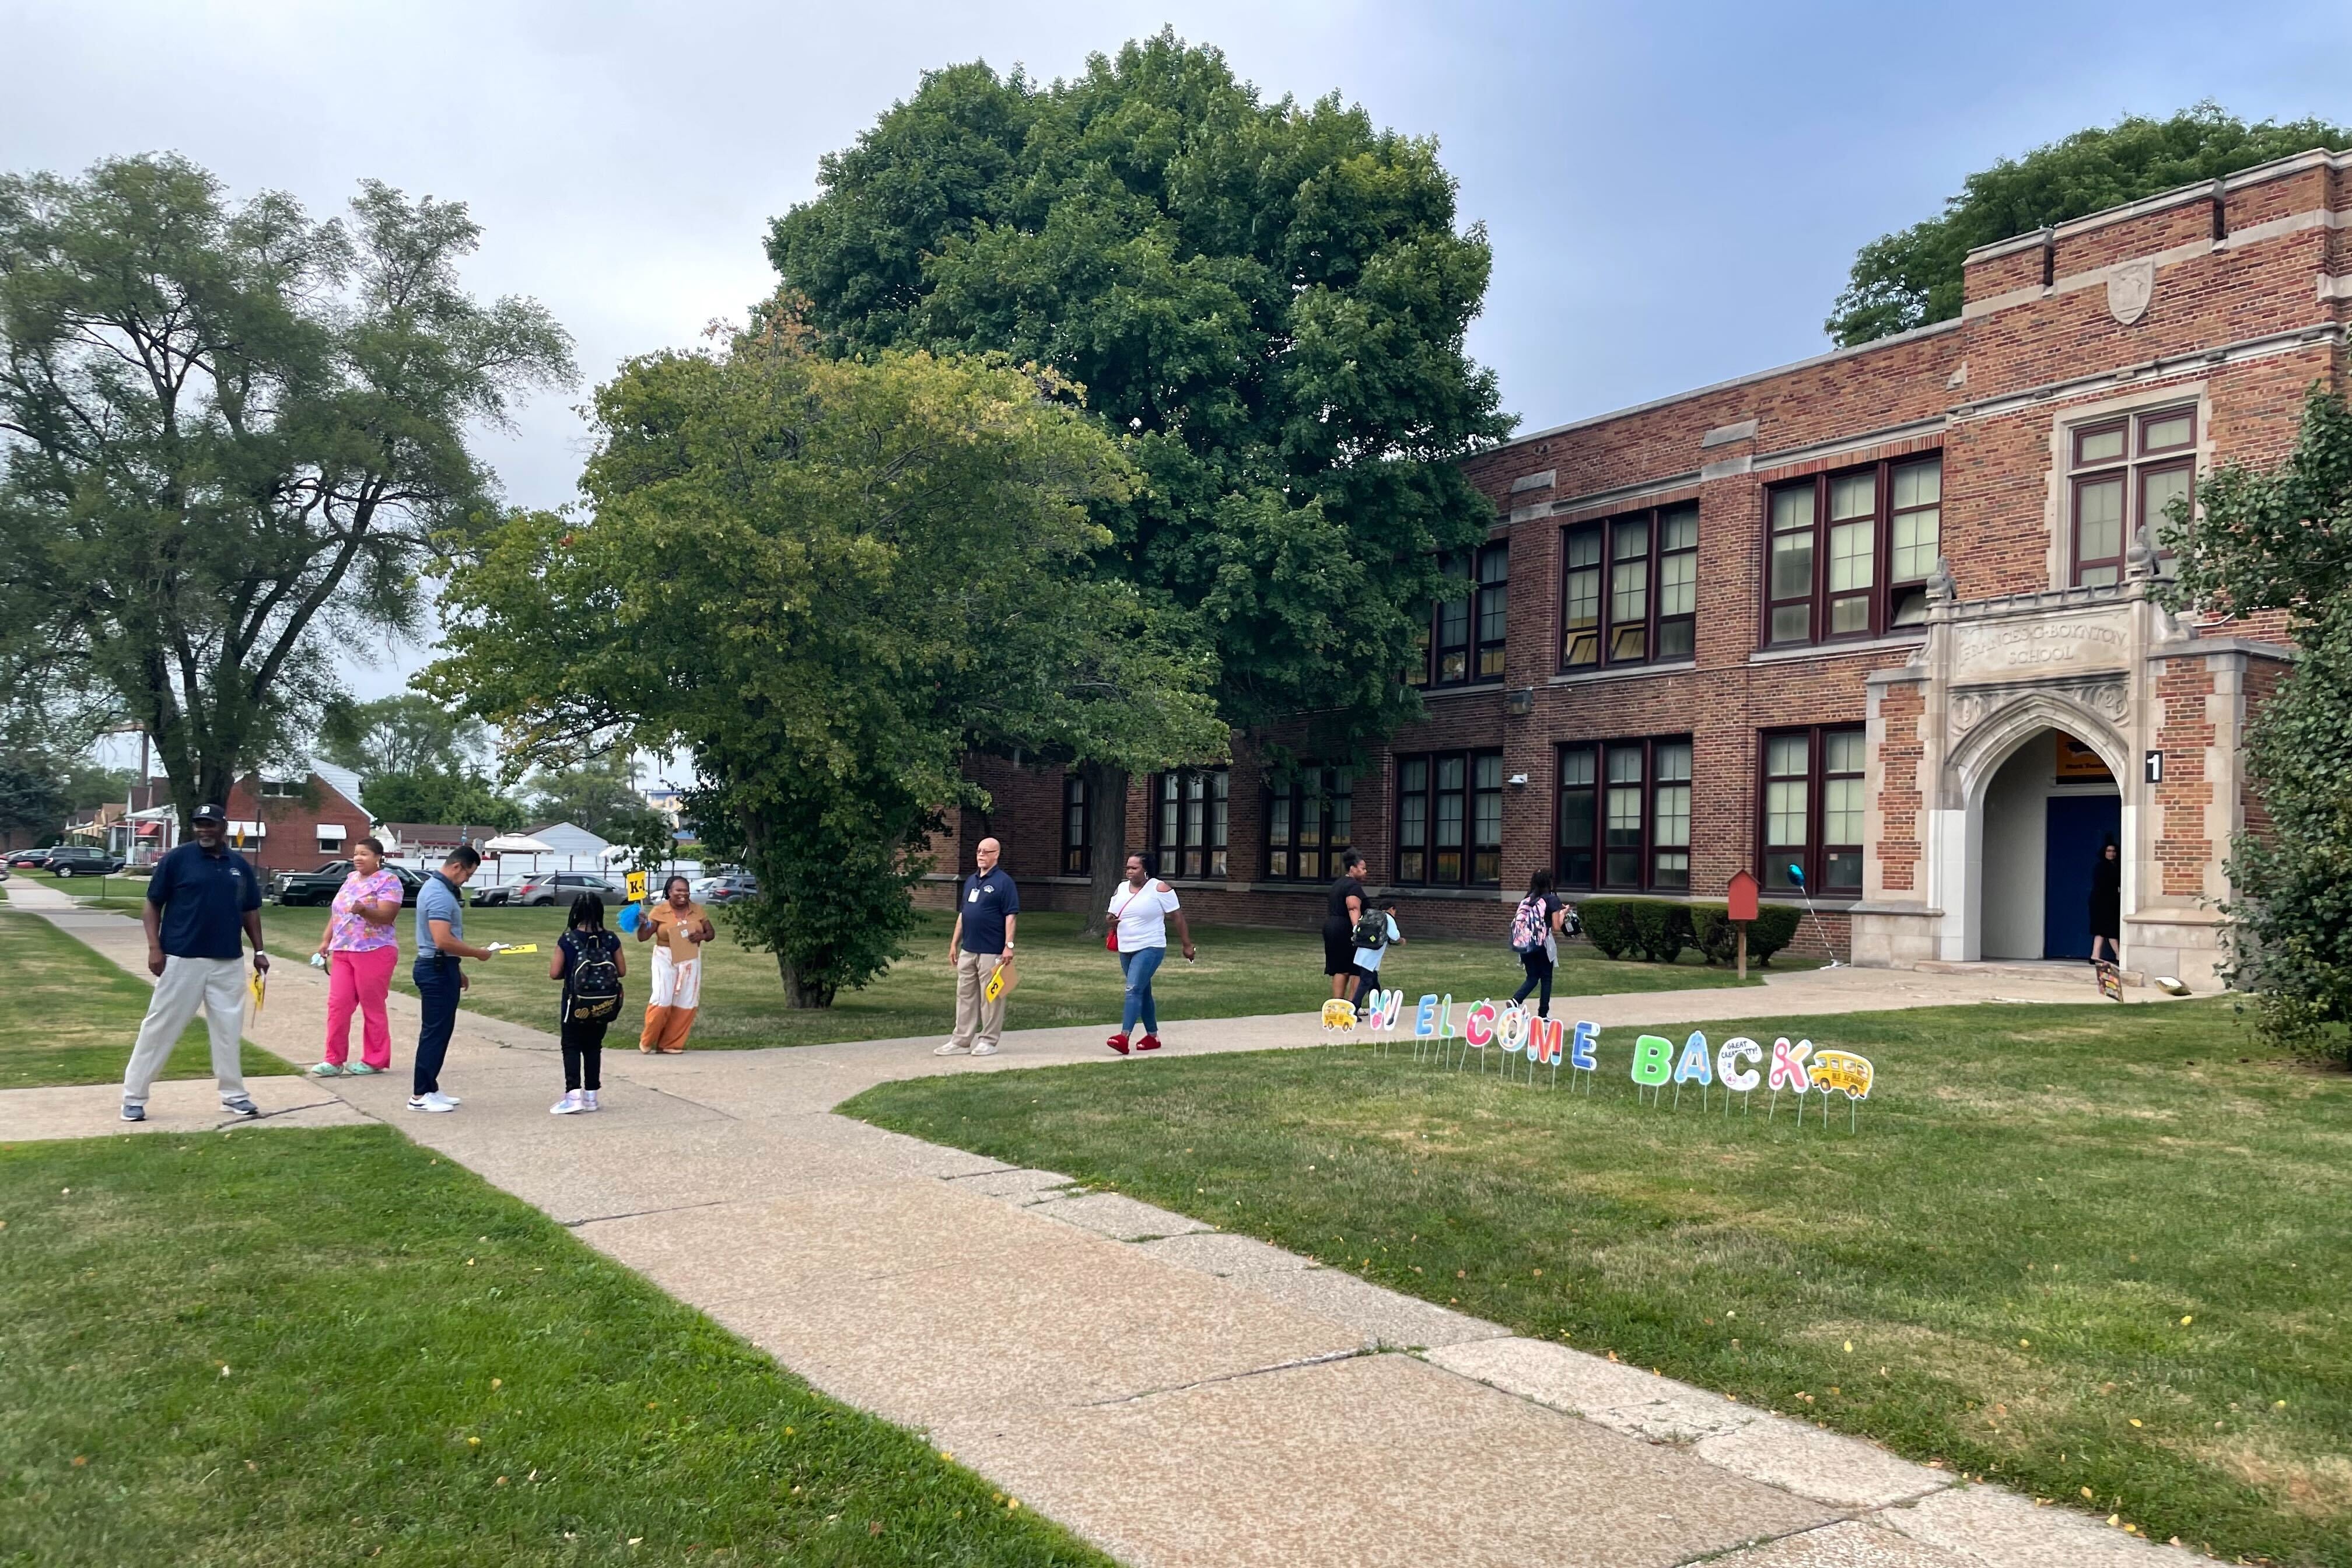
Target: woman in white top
pixel 1140 913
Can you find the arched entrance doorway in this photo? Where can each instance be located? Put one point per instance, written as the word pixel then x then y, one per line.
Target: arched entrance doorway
pixel 2047 811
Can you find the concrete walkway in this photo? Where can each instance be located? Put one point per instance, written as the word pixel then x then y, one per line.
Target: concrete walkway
pixel 1175 1394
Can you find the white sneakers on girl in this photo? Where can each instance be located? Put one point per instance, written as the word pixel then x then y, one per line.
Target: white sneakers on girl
pixel 570 1105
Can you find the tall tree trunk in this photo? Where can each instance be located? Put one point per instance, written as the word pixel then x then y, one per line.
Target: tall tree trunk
pixel 799 994
pixel 1106 837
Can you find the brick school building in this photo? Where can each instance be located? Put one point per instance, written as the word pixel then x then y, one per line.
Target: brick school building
pixel 1882 620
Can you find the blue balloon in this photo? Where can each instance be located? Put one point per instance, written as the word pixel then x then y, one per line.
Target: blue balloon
pixel 1798 873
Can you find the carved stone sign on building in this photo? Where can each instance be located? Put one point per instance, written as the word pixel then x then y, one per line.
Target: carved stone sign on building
pixel 2129 288
pixel 2023 647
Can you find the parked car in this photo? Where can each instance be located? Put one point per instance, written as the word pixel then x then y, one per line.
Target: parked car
pixel 728 889
pixel 320 886
pixel 562 887
pixel 28 859
pixel 81 860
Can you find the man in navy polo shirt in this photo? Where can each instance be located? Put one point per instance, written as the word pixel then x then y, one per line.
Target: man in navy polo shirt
pixel 201 899
pixel 982 940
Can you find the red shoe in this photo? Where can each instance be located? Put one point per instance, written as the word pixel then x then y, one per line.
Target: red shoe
pixel 1149 1043
pixel 1117 1043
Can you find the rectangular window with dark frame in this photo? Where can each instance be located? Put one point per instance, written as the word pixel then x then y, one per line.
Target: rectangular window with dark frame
pixel 1470 626
pixel 1076 843
pixel 1188 823
pixel 1849 554
pixel 1309 819
pixel 1628 589
pixel 2125 474
pixel 1450 820
pixel 1624 815
pixel 1812 811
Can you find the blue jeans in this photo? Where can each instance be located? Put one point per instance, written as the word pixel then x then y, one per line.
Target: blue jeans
pixel 437 990
pixel 1139 966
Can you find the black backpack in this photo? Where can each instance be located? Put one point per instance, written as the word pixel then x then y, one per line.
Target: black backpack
pixel 1372 930
pixel 594 983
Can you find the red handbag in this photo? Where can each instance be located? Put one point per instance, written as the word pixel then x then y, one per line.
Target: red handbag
pixel 1110 937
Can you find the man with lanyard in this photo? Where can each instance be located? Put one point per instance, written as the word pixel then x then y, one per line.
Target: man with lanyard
pixel 201 899
pixel 440 943
pixel 983 941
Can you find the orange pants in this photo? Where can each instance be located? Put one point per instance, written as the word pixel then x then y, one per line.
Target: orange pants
pixel 669 1012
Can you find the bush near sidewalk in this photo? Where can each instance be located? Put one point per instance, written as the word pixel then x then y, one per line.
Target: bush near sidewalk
pixel 2094 1253
pixel 294 1347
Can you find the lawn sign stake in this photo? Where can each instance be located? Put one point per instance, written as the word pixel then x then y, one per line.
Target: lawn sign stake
pixel 1653 1057
pixel 1581 1055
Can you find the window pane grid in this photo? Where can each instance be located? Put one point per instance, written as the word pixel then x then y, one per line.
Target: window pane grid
pixel 1635 604
pixel 1189 823
pixel 1450 818
pixel 1811 810
pixel 1309 815
pixel 2116 495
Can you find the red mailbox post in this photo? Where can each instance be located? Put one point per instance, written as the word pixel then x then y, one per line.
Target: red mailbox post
pixel 1741 897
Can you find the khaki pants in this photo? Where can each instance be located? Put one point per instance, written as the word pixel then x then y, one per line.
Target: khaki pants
pixel 977 1018
pixel 217 985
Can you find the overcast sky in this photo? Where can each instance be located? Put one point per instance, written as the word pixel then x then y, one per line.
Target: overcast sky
pixel 1673 191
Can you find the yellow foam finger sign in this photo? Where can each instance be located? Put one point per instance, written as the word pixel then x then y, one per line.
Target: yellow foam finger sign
pixel 637 886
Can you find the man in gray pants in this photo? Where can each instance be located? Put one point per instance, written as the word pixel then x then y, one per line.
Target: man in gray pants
pixel 200 899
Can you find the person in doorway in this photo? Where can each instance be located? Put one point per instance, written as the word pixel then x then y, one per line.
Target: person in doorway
pixel 2106 904
pixel 682 927
pixel 360 948
pixel 1538 918
pixel 202 898
pixel 1140 913
pixel 1368 959
pixel 589 961
pixel 440 946
pixel 1344 907
pixel 987 913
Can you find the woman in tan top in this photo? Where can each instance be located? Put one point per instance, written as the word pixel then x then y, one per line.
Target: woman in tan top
pixel 682 927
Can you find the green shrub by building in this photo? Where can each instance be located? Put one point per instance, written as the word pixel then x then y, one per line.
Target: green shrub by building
pixel 1658 930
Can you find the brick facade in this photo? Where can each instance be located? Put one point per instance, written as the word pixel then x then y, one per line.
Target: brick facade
pixel 2229 301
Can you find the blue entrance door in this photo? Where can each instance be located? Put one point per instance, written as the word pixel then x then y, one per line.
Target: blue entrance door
pixel 2080 825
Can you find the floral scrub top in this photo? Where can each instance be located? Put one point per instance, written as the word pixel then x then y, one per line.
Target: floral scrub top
pixel 348 932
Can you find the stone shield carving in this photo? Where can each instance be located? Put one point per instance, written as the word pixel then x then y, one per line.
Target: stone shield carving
pixel 2129 288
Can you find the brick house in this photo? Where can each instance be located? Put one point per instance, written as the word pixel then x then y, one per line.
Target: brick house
pixel 297 821
pixel 1884 617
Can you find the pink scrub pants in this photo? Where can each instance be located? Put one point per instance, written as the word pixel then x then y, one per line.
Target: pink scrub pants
pixel 360 980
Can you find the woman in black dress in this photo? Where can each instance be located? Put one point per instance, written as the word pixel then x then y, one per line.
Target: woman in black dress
pixel 1345 908
pixel 2106 903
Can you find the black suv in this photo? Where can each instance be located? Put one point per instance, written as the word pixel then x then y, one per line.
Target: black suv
pixel 320 886
pixel 81 860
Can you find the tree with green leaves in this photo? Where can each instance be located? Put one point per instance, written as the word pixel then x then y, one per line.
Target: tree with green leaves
pixel 828 581
pixel 601 795
pixel 33 798
pixel 2280 538
pixel 1265 301
pixel 405 734
pixel 230 437
pixel 1912 278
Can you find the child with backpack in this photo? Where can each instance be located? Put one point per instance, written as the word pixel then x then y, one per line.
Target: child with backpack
pixel 589 961
pixel 1373 935
pixel 1533 926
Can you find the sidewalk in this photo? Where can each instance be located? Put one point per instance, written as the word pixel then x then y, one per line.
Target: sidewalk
pixel 1178 1395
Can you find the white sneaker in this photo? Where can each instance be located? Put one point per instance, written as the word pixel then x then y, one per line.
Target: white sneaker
pixel 984 1050
pixel 448 1102
pixel 428 1103
pixel 953 1049
pixel 570 1105
pixel 588 1101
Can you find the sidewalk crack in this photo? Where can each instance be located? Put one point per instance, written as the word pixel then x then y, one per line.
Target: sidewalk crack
pixel 1323 1359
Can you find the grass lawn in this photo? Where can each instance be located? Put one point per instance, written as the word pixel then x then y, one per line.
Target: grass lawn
pixel 298 1347
pixel 67 1015
pixel 1066 976
pixel 2099 1255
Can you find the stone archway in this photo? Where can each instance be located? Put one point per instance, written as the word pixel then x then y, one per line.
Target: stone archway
pixel 2030 798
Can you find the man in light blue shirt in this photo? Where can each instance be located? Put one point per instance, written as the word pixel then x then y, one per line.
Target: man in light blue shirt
pixel 440 943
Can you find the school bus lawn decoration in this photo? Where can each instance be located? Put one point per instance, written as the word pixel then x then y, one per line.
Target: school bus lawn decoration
pixel 1509 1029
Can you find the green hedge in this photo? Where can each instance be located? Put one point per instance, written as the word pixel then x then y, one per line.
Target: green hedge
pixel 1774 927
pixel 1658 931
pixel 1653 929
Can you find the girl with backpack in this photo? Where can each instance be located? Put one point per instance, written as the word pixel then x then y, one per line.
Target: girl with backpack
pixel 589 961
pixel 1535 927
pixel 1375 933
